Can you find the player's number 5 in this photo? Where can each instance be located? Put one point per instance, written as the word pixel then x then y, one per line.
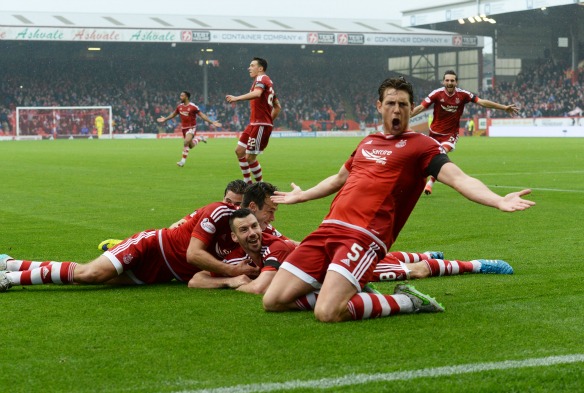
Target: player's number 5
pixel 355 253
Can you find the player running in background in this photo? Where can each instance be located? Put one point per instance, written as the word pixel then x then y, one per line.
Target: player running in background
pixel 385 175
pixel 449 102
pixel 257 248
pixel 265 108
pixel 188 113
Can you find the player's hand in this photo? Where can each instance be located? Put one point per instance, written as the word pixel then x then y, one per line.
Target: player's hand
pixel 177 224
pixel 217 124
pixel 287 198
pixel 238 281
pixel 161 119
pixel 513 201
pixel 244 268
pixel 230 98
pixel 512 109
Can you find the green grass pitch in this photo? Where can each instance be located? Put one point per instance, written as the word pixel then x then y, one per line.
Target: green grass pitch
pixel 59 199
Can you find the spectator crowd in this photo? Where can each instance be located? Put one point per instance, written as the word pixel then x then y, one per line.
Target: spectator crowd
pixel 139 96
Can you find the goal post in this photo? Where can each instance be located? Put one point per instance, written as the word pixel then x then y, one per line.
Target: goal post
pixel 64 121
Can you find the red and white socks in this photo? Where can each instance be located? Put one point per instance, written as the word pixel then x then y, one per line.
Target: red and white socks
pixel 40 272
pixel 371 305
pixel 439 267
pixel 247 170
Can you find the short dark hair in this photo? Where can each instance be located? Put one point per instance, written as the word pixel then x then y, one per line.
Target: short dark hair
pixel 398 84
pixel 258 192
pixel 239 213
pixel 236 186
pixel 261 62
pixel 450 72
pixel 188 94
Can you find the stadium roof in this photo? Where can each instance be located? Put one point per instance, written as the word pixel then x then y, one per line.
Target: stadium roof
pixel 249 23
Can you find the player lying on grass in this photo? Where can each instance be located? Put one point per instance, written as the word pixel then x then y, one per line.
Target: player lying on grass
pixel 239 194
pixel 155 256
pixel 257 248
pixel 376 191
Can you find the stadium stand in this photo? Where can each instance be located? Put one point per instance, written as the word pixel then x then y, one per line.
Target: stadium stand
pixel 319 99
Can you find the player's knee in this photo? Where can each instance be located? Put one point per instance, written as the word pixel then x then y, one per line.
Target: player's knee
pixel 91 274
pixel 419 270
pixel 270 303
pixel 327 314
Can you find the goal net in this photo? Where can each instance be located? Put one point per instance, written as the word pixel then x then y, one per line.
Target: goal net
pixel 64 121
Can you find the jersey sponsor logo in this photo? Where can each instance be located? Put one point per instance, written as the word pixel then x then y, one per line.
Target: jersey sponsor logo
pixel 449 108
pixel 222 252
pixel 400 144
pixel 208 226
pixel 379 156
pixel 128 258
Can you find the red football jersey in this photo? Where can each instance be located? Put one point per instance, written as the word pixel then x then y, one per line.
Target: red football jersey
pixel 387 176
pixel 261 107
pixel 188 115
pixel 447 109
pixel 270 230
pixel 273 249
pixel 210 224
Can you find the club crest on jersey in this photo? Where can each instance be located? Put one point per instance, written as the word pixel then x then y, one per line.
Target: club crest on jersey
pixel 457 100
pixel 208 226
pixel 377 155
pixel 400 144
pixel 128 258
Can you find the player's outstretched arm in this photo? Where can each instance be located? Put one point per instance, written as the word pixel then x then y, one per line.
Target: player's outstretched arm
pixel 476 191
pixel 252 95
pixel 162 119
pixel 510 109
pixel 417 110
pixel 328 186
pixel 206 118
pixel 205 280
pixel 260 285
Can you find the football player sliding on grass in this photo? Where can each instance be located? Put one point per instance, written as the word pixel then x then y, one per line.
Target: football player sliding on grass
pixel 376 190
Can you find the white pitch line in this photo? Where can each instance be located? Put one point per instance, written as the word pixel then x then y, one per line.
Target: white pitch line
pixel 537 188
pixel 359 379
pixel 527 173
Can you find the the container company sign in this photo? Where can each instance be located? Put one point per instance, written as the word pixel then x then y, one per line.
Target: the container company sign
pixel 230 36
